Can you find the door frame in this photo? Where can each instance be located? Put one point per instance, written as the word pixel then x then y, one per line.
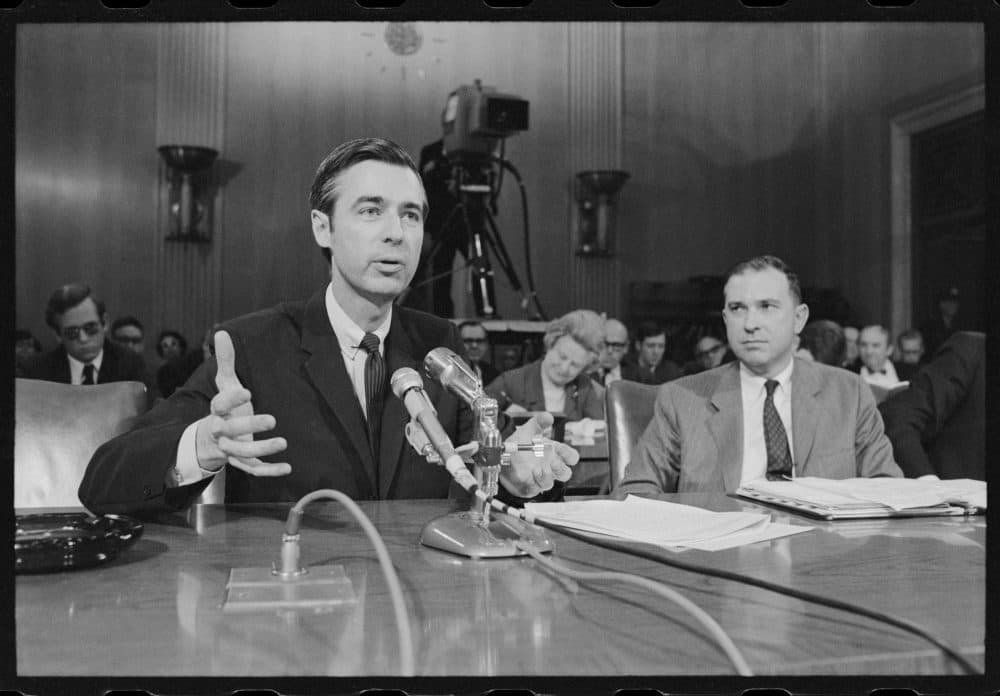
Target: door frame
pixel 902 128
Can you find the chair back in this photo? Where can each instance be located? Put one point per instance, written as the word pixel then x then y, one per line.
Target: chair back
pixel 58 427
pixel 629 408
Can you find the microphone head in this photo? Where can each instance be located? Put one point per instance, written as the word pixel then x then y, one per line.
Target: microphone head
pixel 445 366
pixel 404 379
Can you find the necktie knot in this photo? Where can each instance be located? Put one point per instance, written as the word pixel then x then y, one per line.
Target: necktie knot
pixel 770 385
pixel 88 374
pixel 370 343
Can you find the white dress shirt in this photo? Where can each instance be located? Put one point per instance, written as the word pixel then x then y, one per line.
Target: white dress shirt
pixel 76 368
pixel 349 337
pixel 753 395
pixel 888 379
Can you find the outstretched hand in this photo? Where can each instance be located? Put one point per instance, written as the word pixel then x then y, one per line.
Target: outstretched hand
pixel 528 475
pixel 226 434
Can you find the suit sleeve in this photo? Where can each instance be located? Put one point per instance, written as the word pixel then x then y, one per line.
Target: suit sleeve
pixel 915 416
pixel 872 449
pixel 655 464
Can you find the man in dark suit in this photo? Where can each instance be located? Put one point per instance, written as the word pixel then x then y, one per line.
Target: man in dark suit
pixel 650 365
pixel 477 345
pixel 938 425
pixel 311 378
pixel 84 355
pixel 765 414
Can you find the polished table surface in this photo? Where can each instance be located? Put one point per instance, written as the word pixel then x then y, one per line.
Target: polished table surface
pixel 157 609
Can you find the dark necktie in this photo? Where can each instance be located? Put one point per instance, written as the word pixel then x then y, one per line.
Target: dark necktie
pixel 88 374
pixel 779 457
pixel 374 386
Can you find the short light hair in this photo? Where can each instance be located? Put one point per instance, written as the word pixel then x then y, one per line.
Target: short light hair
pixel 762 263
pixel 582 325
pixel 911 335
pixel 885 332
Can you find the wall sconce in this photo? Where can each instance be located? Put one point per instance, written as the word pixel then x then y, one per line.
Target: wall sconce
pixel 190 196
pixel 597 200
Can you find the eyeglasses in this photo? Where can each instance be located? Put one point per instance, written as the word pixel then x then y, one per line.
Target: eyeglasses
pixel 474 340
pixel 615 346
pixel 128 339
pixel 72 333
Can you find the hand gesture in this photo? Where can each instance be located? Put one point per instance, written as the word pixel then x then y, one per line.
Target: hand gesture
pixel 226 435
pixel 528 475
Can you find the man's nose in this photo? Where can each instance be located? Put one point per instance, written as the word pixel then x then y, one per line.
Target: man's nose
pixel 394 228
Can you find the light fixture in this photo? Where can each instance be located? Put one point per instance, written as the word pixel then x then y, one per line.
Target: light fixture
pixel 190 196
pixel 597 199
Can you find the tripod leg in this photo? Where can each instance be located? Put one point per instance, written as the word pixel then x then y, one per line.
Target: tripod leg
pixel 482 274
pixel 500 251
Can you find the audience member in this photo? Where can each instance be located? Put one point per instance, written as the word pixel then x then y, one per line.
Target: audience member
pixel 875 347
pixel 709 353
pixel 477 346
pixel 766 414
pixel 171 345
pixel 316 374
pixel 176 371
pixel 823 341
pixel 851 355
pixel 945 322
pixel 609 362
pixel 911 353
pixel 25 345
pixel 85 355
pixel 556 383
pixel 938 424
pixel 128 332
pixel 650 367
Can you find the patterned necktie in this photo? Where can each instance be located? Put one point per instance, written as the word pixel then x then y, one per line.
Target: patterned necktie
pixel 88 374
pixel 374 387
pixel 779 457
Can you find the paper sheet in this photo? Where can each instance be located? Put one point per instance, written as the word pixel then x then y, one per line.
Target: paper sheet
pixel 896 493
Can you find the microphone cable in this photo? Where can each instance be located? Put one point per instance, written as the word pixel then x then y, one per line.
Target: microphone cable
pixel 388 571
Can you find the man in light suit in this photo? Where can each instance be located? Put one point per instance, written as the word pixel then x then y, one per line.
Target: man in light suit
pixel 765 414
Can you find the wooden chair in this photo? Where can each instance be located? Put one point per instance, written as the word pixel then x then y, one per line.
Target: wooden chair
pixel 629 408
pixel 58 427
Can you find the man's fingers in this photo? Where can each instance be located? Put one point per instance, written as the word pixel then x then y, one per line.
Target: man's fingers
pixel 225 357
pixel 229 400
pixel 251 448
pixel 256 467
pixel 241 427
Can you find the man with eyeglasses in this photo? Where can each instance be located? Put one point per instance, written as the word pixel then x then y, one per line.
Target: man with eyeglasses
pixel 85 355
pixel 477 344
pixel 128 332
pixel 609 362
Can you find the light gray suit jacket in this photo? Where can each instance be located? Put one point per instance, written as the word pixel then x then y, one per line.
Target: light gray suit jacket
pixel 695 440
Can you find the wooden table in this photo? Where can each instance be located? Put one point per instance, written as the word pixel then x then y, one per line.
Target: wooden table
pixel 156 610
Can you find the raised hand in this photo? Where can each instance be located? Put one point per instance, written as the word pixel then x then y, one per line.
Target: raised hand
pixel 529 475
pixel 226 434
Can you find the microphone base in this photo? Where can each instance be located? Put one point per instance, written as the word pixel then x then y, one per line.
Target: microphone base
pixel 264 590
pixel 464 534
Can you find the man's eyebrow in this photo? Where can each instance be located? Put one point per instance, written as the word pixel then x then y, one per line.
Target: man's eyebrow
pixel 377 200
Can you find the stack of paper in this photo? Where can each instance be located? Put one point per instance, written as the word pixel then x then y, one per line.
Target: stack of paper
pixel 664 523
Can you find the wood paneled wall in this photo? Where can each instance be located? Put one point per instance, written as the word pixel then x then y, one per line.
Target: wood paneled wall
pixel 741 139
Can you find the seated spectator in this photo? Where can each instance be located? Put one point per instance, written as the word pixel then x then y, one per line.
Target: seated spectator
pixel 609 362
pixel 650 367
pixel 477 347
pixel 556 383
pixel 129 333
pixel 171 344
pixel 709 352
pixel 851 356
pixel 875 347
pixel 84 355
pixel 25 345
pixel 946 320
pixel 911 353
pixel 823 341
pixel 938 425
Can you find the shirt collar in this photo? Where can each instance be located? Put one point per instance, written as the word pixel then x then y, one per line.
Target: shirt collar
pixel 888 369
pixel 76 367
pixel 755 384
pixel 348 333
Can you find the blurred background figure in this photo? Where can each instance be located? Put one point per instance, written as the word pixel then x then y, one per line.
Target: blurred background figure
pixel 609 362
pixel 875 347
pixel 945 322
pixel 911 353
pixel 175 372
pixel 477 349
pixel 557 383
pixel 170 345
pixel 128 332
pixel 823 341
pixel 851 360
pixel 709 352
pixel 25 345
pixel 650 367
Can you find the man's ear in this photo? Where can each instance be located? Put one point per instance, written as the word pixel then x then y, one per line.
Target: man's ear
pixel 322 228
pixel 801 317
pixel 104 321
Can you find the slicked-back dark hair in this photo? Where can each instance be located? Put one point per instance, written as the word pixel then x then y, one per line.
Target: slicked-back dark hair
pixel 323 193
pixel 825 340
pixel 647 329
pixel 762 263
pixel 67 297
pixel 127 321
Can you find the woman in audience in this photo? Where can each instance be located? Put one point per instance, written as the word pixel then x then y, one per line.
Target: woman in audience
pixel 557 383
pixel 823 341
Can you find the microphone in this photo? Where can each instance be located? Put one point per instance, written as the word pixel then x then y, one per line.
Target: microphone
pixel 446 367
pixel 408 386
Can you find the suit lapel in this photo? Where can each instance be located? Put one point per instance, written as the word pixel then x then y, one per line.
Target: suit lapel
pixel 399 353
pixel 325 367
pixel 109 364
pixel 805 414
pixel 726 426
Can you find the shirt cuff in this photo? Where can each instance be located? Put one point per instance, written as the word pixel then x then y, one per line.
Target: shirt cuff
pixel 186 469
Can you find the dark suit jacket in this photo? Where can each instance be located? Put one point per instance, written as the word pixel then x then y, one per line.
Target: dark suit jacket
pixel 523 386
pixel 664 372
pixel 695 440
pixel 289 359
pixel 118 365
pixel 490 373
pixel 938 425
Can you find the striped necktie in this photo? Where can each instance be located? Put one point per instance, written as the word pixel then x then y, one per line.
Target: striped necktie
pixel 374 388
pixel 88 374
pixel 779 457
